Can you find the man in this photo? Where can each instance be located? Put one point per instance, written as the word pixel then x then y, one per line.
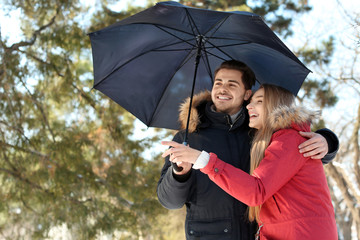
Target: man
pixel 221 115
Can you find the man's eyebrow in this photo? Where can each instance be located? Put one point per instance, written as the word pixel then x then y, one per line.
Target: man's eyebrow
pixel 232 81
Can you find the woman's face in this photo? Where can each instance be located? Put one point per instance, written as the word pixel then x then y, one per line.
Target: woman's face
pixel 256 109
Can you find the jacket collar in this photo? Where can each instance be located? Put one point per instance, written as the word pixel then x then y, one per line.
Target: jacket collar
pixel 294 117
pixel 203 116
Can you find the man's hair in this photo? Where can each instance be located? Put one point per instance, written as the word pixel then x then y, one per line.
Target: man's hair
pixel 248 77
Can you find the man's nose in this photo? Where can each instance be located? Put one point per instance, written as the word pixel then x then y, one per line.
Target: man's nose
pixel 223 88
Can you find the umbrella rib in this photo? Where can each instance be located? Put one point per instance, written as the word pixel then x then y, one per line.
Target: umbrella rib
pixel 218 56
pixel 192 23
pixel 217 47
pixel 218 24
pixel 228 45
pixel 207 64
pixel 186 59
pixel 162 26
pixel 183 40
pixel 172 44
pixel 172 50
pixel 216 27
pixel 158 49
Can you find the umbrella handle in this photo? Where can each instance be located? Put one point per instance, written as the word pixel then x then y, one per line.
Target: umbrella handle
pixel 176 167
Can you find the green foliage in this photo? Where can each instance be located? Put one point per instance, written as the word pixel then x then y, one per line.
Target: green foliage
pixel 320 91
pixel 321 55
pixel 66 152
pixel 220 5
pixel 279 13
pixel 320 124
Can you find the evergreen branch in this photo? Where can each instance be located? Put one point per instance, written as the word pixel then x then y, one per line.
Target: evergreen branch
pixel 41 110
pixel 30 151
pixel 43 62
pixel 82 93
pixel 85 96
pixel 27 206
pixel 18 129
pixel 32 40
pixel 8 161
pixel 17 174
pixel 21 178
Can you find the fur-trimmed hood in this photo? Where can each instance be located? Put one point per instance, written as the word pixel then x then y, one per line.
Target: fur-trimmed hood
pixel 282 117
pixel 295 117
pixel 198 99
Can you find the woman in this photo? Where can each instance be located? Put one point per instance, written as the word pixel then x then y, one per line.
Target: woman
pixel 287 193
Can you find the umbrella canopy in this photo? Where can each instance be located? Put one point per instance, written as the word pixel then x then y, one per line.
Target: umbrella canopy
pixel 149 62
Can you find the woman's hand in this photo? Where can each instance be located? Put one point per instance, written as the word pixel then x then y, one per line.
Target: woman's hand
pixel 180 153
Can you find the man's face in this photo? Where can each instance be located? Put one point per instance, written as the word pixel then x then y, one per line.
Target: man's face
pixel 228 92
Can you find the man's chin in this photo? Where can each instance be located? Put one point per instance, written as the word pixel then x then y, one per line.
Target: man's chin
pixel 222 110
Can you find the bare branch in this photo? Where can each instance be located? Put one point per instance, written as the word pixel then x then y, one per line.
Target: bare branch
pixel 355 141
pixel 349 199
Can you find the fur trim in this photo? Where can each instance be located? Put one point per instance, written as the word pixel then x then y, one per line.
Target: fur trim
pixel 284 116
pixel 199 98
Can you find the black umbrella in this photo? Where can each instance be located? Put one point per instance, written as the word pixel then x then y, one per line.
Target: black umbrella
pixel 150 62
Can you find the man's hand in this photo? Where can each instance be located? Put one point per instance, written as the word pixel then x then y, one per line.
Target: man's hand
pixel 316 147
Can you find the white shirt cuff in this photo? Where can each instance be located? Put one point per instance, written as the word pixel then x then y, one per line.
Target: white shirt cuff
pixel 202 160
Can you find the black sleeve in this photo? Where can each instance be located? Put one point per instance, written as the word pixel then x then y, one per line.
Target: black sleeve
pixel 173 190
pixel 333 144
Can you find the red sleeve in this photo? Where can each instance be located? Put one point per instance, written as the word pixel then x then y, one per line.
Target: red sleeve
pixel 281 162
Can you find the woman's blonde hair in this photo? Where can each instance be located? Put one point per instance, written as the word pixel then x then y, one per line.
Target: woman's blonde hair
pixel 274 97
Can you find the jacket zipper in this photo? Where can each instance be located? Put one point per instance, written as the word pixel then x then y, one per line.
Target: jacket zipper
pixel 229 121
pixel 257 235
pixel 232 123
pixel 277 205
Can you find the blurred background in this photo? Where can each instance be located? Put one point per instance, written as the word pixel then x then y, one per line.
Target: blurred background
pixel 75 165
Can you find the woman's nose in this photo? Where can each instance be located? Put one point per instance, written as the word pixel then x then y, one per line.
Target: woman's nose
pixel 249 106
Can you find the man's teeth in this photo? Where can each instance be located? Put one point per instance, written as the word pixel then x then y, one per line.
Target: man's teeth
pixel 223 98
